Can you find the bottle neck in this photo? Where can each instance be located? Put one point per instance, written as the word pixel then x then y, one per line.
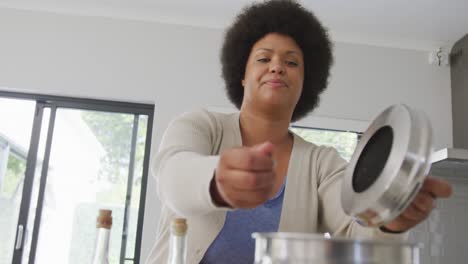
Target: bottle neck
pixel 101 251
pixel 178 249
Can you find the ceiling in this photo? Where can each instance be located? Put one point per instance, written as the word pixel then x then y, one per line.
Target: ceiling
pixel 415 24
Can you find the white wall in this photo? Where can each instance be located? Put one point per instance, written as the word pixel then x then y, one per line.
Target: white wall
pixel 367 79
pixel 177 69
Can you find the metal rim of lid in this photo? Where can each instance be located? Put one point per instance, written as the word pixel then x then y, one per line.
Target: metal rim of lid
pixel 403 173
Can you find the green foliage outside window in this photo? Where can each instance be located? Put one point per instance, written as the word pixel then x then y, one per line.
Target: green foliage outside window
pixel 344 142
pixel 14 173
pixel 114 133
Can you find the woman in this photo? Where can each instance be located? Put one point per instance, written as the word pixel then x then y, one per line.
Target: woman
pixel 234 174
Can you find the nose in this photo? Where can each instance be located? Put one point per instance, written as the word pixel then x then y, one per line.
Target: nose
pixel 276 67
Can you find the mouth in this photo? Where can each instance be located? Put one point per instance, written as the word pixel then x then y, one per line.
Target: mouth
pixel 276 83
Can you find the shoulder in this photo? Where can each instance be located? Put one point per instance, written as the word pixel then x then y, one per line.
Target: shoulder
pixel 204 116
pixel 202 123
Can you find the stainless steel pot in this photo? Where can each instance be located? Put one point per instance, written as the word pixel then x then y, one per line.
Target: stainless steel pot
pixel 298 248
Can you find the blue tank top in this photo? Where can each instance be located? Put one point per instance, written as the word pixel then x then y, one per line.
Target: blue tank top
pixel 234 243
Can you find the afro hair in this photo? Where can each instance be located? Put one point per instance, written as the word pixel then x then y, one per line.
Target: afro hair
pixel 284 17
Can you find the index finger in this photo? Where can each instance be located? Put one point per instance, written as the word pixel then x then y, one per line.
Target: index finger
pixel 437 187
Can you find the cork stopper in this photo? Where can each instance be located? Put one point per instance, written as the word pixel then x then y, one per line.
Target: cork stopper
pixel 179 226
pixel 104 219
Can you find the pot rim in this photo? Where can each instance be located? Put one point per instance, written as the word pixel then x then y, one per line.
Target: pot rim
pixel 345 240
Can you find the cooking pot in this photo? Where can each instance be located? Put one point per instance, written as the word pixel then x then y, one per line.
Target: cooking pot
pixel 299 248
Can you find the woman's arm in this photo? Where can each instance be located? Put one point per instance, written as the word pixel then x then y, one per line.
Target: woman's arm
pixel 184 164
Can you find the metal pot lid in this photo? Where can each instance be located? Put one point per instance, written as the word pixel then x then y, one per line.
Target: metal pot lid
pixel 388 167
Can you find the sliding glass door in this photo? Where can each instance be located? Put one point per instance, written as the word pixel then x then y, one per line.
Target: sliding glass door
pixel 16 124
pixel 90 155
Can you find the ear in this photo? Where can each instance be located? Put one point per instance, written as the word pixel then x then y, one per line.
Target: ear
pixel 243 83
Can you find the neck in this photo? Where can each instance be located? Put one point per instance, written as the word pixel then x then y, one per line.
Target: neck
pixel 257 128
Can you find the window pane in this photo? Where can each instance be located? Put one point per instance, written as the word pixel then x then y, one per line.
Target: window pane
pixel 343 141
pixel 88 170
pixel 16 121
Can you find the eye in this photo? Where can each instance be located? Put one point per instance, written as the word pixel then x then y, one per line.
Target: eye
pixel 263 60
pixel 292 63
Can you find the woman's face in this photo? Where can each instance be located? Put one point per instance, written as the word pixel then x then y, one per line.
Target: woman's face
pixel 274 74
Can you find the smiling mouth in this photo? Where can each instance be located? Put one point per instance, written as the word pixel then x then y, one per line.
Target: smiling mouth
pixel 276 83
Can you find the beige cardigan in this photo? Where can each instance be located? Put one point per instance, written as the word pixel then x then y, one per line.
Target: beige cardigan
pixel 184 167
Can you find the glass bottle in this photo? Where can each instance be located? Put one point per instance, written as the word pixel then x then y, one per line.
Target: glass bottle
pixel 178 242
pixel 101 249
